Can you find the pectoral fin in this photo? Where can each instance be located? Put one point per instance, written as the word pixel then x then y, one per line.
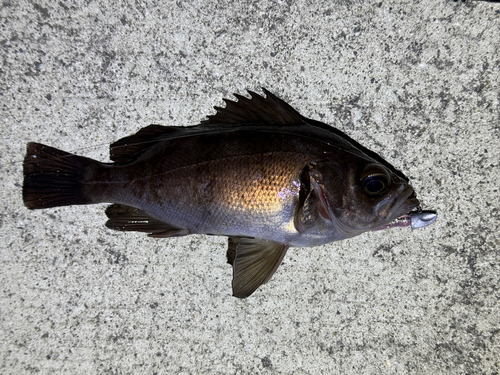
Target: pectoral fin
pixel 254 263
pixel 232 243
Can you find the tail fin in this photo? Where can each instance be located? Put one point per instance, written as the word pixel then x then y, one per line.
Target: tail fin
pixel 54 178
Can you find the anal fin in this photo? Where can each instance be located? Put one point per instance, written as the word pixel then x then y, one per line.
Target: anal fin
pixel 254 263
pixel 126 218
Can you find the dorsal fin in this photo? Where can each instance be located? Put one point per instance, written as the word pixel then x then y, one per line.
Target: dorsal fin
pixel 127 149
pixel 270 110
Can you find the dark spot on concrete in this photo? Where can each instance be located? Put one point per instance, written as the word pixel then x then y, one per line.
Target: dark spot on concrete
pixel 381 250
pixel 266 362
pixel 448 249
pixel 43 11
pixel 115 256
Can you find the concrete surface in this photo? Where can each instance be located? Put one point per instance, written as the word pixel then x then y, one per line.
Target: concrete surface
pixel 417 81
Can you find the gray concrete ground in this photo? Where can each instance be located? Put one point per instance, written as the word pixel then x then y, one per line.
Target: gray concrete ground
pixel 417 81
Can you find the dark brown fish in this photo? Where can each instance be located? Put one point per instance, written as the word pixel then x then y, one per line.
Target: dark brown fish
pixel 257 171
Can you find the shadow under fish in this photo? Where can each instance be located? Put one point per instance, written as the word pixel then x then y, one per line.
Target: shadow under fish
pixel 257 171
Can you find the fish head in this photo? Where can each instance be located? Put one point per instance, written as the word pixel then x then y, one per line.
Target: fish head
pixel 360 194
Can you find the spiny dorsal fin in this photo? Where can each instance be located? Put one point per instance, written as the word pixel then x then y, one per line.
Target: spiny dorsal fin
pixel 254 263
pixel 270 110
pixel 127 149
pixel 126 218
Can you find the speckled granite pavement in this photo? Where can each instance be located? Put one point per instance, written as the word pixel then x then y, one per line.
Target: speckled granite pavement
pixel 417 81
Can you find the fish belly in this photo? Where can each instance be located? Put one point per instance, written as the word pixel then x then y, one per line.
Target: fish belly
pixel 254 195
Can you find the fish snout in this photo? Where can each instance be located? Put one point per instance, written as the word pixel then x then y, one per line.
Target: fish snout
pixel 400 201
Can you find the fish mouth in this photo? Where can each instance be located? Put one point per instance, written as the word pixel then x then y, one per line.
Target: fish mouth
pixel 409 202
pixel 400 210
pixel 406 201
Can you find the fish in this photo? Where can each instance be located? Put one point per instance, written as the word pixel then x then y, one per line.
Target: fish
pixel 256 171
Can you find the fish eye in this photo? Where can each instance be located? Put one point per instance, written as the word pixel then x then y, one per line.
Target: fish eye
pixel 374 181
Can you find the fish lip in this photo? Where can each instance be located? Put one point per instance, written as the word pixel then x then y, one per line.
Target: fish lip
pixel 409 205
pixel 405 202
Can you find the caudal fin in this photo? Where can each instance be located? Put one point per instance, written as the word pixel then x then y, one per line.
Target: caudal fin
pixel 54 178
